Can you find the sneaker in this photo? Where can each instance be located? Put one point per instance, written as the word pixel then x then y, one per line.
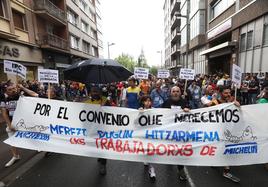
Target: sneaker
pixel 12 161
pixel 182 175
pixel 151 173
pixel 2 184
pixel 146 164
pixel 230 176
pixel 102 169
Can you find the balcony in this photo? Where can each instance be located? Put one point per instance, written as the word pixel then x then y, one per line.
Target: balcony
pixel 175 35
pixel 175 6
pixel 175 21
pixel 50 12
pixel 51 41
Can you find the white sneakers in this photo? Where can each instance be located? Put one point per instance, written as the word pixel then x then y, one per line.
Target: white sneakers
pixel 2 184
pixel 12 161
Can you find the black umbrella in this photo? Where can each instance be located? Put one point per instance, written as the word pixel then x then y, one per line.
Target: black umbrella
pixel 99 71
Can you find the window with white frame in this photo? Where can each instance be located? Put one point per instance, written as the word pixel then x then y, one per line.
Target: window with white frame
pixel 83 5
pixel 74 41
pixel 84 26
pixel 220 6
pixel 94 51
pixel 91 15
pixel 72 17
pixel 93 33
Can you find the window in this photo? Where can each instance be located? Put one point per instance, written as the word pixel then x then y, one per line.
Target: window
pixel 265 34
pixel 220 6
pixel 83 5
pixel 86 47
pixel 94 51
pixel 91 15
pixel 3 9
pixel 19 20
pixel 93 33
pixel 84 26
pixel 72 17
pixel 249 39
pixel 243 42
pixel 74 42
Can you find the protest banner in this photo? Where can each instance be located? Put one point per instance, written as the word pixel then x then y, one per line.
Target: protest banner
pixel 141 73
pixel 48 76
pixel 14 68
pixel 222 135
pixel 163 74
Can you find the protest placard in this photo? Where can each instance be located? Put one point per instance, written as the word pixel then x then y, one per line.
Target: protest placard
pixel 187 74
pixel 163 74
pixel 48 76
pixel 14 68
pixel 141 73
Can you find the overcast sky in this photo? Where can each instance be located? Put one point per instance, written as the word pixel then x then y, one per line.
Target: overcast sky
pixel 132 25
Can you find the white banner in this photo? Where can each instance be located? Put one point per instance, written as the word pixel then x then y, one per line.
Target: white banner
pixel 14 68
pixel 222 135
pixel 48 76
pixel 163 74
pixel 141 73
pixel 187 74
pixel 237 75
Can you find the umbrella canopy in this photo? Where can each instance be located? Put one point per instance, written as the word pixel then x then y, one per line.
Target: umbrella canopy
pixel 98 71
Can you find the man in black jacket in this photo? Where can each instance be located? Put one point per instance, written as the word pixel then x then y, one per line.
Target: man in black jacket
pixel 176 101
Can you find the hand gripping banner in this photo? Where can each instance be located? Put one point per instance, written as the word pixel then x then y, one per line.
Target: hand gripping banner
pixel 222 135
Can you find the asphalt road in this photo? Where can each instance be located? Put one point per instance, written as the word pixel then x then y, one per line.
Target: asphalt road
pixel 60 170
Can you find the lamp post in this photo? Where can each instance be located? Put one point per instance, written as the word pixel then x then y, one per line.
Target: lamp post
pixel 161 56
pixel 109 44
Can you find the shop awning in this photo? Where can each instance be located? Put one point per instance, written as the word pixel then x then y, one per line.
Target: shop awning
pixel 222 46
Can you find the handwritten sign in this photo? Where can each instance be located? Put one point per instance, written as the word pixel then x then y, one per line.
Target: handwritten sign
pixel 48 76
pixel 187 74
pixel 14 68
pixel 141 73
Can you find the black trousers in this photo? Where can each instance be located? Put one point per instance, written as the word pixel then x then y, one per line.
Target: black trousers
pixel 103 161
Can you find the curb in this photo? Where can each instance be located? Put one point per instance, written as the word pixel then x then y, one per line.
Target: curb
pixel 9 179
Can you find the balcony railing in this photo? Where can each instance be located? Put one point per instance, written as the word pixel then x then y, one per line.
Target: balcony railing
pixel 50 8
pixel 54 41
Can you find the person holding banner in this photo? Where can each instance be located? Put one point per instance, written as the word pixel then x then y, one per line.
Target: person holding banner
pixel 133 94
pixel 158 95
pixel 8 103
pixel 225 97
pixel 176 101
pixel 97 99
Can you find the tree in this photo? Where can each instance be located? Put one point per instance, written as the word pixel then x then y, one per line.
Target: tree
pixel 153 70
pixel 127 61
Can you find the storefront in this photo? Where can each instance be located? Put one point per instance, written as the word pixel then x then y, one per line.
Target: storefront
pixel 28 55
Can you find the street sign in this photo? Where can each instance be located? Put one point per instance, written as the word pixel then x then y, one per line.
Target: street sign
pixel 141 73
pixel 187 74
pixel 237 75
pixel 163 74
pixel 48 76
pixel 14 68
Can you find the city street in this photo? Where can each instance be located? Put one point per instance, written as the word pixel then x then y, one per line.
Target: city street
pixel 66 170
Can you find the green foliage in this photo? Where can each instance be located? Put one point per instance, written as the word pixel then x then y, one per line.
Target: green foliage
pixel 153 70
pixel 127 61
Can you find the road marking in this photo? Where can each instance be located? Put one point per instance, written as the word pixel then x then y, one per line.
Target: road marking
pixel 190 180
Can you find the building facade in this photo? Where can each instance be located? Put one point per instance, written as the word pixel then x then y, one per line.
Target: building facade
pixel 172 36
pixel 47 33
pixel 217 33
